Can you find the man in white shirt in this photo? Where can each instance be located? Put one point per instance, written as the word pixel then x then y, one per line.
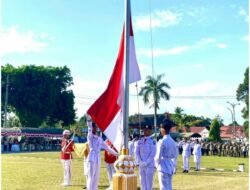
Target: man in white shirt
pixel 95 143
pixel 166 152
pixel 197 154
pixel 145 152
pixel 185 155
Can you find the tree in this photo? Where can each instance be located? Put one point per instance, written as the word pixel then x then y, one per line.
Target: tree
pixel 183 120
pixel 156 89
pixel 242 94
pixel 39 94
pixel 177 117
pixel 214 132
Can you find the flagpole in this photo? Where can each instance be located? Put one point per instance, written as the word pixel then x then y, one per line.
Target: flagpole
pixel 125 178
pixel 126 88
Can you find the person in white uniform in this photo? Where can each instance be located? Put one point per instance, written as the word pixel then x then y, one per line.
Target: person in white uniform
pixel 186 152
pixel 96 143
pixel 166 152
pixel 197 155
pixel 145 152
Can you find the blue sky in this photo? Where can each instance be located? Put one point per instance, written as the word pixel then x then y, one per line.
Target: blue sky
pixel 201 46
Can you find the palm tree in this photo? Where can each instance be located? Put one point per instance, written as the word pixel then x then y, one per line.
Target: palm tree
pixel 178 118
pixel 156 89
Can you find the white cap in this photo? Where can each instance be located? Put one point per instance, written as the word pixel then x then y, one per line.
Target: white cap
pixel 66 132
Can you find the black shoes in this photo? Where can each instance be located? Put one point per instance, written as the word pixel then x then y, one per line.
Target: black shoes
pixel 185 171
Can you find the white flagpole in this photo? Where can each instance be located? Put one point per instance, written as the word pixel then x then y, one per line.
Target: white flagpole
pixel 126 61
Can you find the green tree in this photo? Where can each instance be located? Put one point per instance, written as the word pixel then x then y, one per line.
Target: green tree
pixel 242 95
pixel 178 118
pixel 156 89
pixel 38 94
pixel 214 132
pixel 184 120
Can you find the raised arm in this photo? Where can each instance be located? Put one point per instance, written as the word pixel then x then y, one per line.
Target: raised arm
pixel 110 150
pixel 90 133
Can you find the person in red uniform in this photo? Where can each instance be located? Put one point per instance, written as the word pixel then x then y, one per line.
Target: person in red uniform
pixel 109 162
pixel 66 156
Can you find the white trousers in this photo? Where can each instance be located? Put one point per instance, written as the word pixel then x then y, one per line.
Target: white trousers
pixel 197 160
pixel 93 175
pixel 66 171
pixel 165 181
pixel 185 162
pixel 111 172
pixel 146 177
pixel 175 161
pixel 85 170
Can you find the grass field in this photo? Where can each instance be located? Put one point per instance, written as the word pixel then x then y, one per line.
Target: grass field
pixel 35 171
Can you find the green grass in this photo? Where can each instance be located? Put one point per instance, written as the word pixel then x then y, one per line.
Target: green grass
pixel 35 171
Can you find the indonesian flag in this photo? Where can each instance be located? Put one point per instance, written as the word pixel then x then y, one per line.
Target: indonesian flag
pixel 107 111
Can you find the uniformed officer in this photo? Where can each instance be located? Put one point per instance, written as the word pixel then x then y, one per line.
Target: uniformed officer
pixel 197 155
pixel 66 156
pixel 185 155
pixel 109 162
pixel 94 160
pixel 166 152
pixel 145 153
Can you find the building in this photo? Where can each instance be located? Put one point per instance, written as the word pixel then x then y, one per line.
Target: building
pixel 231 132
pixel 193 132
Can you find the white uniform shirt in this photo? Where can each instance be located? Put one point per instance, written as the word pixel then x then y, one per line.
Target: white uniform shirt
pixel 186 149
pixel 166 152
pixel 197 150
pixel 95 145
pixel 145 151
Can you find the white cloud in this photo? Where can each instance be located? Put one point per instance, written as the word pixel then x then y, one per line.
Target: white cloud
pixel 144 67
pixel 162 52
pixel 221 45
pixel 159 19
pixel 244 14
pixel 204 88
pixel 199 106
pixel 246 38
pixel 14 41
pixel 205 41
pixel 157 52
pixel 87 91
pixel 187 66
pixel 196 12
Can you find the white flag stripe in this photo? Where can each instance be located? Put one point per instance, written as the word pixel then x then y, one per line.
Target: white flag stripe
pixel 114 131
pixel 134 72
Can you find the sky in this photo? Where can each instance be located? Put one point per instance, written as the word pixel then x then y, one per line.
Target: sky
pixel 200 46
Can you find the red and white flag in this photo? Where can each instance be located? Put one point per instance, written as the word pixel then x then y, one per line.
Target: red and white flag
pixel 107 111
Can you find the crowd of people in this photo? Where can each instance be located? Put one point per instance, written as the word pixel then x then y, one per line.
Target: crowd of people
pixel 12 144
